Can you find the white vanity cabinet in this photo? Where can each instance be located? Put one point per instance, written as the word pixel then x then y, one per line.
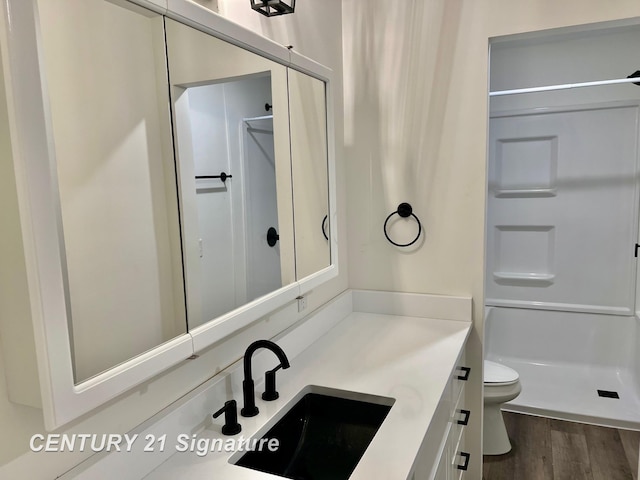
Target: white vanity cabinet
pixel 458 456
pixel 399 346
pixel 443 454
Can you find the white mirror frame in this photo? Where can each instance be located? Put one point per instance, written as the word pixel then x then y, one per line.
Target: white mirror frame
pixel 33 152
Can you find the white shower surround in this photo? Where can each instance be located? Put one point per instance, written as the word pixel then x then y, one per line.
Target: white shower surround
pixel 566 323
pixel 563 358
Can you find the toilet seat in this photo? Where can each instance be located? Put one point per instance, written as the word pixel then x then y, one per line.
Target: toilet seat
pixel 501 385
pixel 496 375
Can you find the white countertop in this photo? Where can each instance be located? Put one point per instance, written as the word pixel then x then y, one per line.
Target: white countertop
pixel 407 358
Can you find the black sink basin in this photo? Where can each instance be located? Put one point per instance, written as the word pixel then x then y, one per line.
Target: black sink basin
pixel 322 437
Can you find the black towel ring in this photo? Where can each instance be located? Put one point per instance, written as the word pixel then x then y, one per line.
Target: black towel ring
pixel 404 210
pixel 324 232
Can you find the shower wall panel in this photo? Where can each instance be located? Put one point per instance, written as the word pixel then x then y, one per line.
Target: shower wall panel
pixel 562 221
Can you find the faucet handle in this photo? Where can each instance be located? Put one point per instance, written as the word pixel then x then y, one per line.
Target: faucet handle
pixel 270 392
pixel 231 425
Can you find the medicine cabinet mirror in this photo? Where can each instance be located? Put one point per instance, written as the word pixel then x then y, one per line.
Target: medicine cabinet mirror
pixel 251 146
pixel 114 174
pixel 187 192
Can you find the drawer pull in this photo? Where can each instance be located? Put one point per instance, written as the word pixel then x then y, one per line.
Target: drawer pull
pixel 465 375
pixel 465 420
pixel 466 456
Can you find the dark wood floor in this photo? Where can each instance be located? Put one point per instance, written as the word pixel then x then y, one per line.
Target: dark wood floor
pixel 545 449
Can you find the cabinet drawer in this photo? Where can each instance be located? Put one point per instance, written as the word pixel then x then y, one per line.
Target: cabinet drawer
pixel 460 458
pixel 435 444
pixel 459 378
pixel 443 468
pixel 459 420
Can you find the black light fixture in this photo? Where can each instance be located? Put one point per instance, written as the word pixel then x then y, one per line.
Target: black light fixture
pixel 271 8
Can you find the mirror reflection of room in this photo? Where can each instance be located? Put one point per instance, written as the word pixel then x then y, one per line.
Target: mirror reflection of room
pixel 176 206
pixel 234 161
pixel 308 119
pixel 116 180
pixel 230 117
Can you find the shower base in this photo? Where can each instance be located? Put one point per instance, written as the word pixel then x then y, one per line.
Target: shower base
pixel 569 391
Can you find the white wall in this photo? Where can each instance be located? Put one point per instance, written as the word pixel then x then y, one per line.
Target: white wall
pixel 415 130
pixel 315 33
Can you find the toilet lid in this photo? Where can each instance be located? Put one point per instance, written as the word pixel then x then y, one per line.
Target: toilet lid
pixel 497 373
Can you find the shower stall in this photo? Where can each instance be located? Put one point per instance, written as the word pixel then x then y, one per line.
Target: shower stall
pixel 562 223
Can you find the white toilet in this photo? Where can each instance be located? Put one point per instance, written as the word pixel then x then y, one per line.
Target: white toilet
pixel 501 384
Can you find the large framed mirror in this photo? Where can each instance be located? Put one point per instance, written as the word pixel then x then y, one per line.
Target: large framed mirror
pixel 252 154
pixel 173 188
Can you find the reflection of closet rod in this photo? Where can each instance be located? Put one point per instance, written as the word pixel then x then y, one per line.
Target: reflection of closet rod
pixel 270 117
pixel 223 177
pixel 563 87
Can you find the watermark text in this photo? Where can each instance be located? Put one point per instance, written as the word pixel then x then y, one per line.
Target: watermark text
pixel 113 442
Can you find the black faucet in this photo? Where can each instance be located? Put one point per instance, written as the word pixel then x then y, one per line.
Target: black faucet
pixel 248 390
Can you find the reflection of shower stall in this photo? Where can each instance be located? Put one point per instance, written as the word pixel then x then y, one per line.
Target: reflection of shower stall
pixel 228 178
pixel 260 206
